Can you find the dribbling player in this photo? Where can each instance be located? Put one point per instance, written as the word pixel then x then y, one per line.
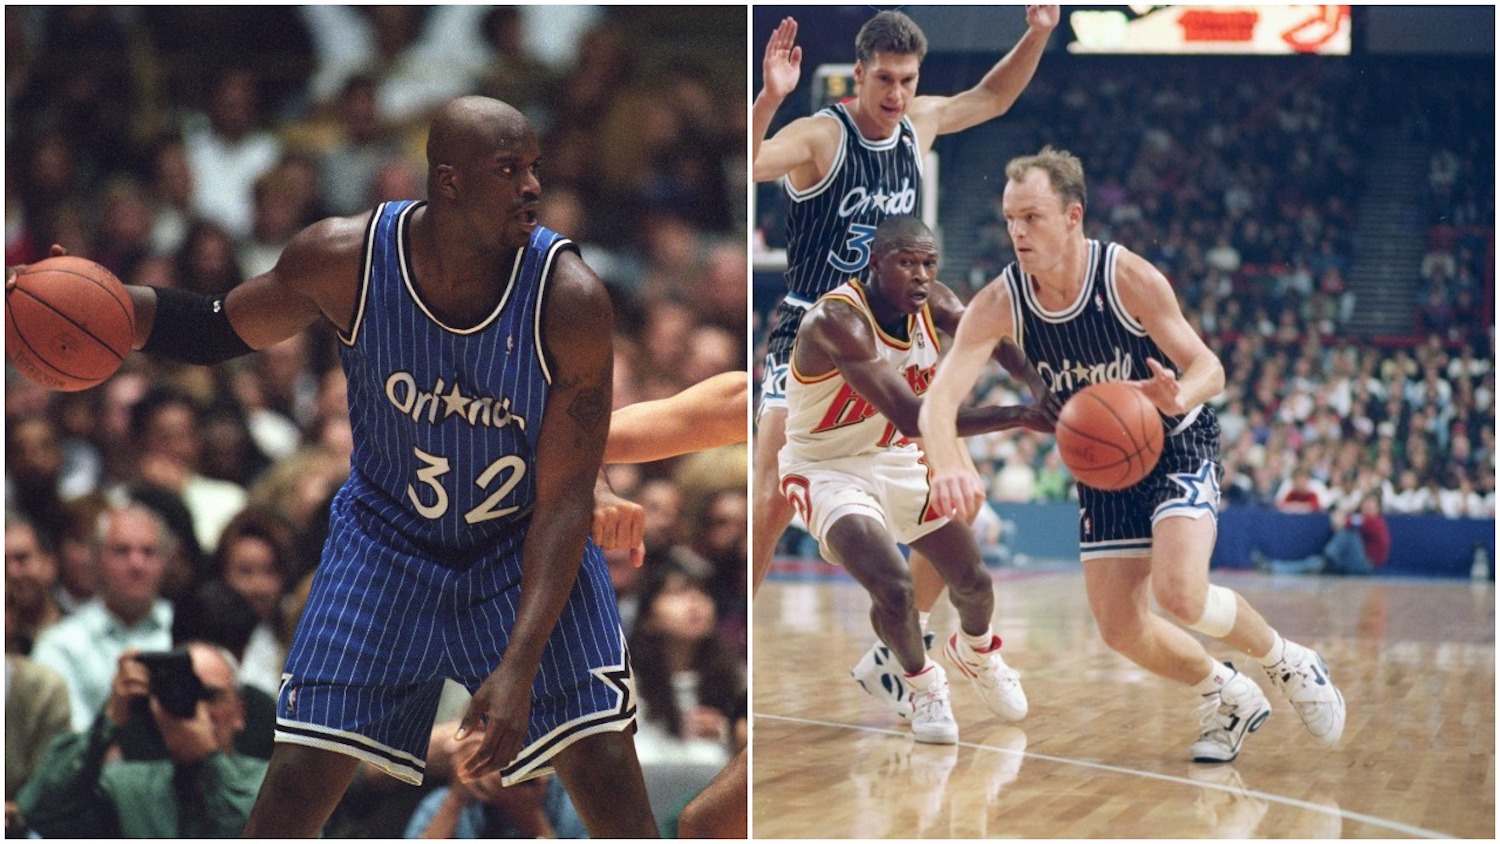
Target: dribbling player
pixel 1087 311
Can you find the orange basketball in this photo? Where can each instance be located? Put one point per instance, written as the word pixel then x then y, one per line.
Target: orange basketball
pixel 68 323
pixel 1110 435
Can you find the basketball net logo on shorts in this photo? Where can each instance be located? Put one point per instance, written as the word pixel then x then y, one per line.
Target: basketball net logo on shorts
pixel 1068 376
pixel 486 411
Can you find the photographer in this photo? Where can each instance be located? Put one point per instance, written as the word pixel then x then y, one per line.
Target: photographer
pixel 204 790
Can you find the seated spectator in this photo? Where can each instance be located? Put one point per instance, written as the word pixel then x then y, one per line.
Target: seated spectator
pixel 30 578
pixel 131 549
pixel 687 678
pixel 1361 543
pixel 255 559
pixel 1302 494
pixel 164 426
pixel 214 613
pixel 203 790
pixel 36 712
pixel 483 808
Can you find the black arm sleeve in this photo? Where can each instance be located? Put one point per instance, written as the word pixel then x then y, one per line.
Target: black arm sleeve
pixel 192 328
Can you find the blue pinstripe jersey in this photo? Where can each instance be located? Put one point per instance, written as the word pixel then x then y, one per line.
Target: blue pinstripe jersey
pixel 445 418
pixel 830 225
pixel 1092 340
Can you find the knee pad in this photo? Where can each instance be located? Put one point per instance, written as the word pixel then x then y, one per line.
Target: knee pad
pixel 1219 611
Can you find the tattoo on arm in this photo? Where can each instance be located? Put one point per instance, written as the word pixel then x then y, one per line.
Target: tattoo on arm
pixel 590 408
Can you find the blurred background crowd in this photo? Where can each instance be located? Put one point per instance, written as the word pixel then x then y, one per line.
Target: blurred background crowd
pixel 183 147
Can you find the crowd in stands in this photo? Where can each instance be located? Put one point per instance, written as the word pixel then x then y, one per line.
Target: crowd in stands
pixel 1242 187
pixel 174 504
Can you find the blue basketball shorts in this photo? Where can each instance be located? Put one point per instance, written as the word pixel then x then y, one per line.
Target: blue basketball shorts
pixel 382 629
pixel 1185 483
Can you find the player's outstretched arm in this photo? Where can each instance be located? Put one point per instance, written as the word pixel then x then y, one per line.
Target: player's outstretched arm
pixel 314 275
pixel 576 323
pixel 709 414
pixel 956 487
pixel 999 89
pixel 947 313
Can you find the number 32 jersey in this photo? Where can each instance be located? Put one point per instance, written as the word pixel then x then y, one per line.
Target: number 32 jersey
pixel 445 418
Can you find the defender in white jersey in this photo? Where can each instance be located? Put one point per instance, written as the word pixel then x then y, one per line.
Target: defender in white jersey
pixel 1090 312
pixel 845 169
pixel 862 358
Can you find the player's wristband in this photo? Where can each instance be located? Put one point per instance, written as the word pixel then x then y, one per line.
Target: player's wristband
pixel 192 328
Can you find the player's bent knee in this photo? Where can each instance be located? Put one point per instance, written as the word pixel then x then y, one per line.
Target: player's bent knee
pixel 1219 611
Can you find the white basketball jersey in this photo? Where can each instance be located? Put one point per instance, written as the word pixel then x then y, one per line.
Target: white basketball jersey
pixel 826 418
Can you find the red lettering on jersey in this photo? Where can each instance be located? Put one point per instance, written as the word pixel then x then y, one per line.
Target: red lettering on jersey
pixel 919 379
pixel 847 408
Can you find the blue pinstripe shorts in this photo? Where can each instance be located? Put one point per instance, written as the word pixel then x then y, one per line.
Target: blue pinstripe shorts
pixel 382 628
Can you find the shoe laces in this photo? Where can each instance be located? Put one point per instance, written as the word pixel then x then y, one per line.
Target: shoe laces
pixel 929 702
pixel 1213 713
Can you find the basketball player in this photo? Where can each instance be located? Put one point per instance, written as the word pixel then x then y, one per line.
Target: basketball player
pixel 862 357
pixel 1087 311
pixel 476 344
pixel 844 169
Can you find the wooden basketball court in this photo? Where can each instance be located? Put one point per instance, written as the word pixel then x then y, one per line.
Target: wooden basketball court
pixel 1103 752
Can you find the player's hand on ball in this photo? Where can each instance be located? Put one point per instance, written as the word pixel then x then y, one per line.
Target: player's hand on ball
pixel 56 251
pixel 1163 389
pixel 957 493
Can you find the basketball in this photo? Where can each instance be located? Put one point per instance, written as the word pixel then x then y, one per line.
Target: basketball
pixel 1110 435
pixel 69 323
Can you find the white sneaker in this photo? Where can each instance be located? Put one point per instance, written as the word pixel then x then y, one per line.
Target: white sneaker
pixel 1303 677
pixel 1227 716
pixel 932 712
pixel 879 673
pixel 999 685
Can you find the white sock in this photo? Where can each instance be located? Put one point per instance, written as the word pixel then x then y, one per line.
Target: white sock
pixel 1217 677
pixel 923 618
pixel 977 642
pixel 1276 653
pixel 919 679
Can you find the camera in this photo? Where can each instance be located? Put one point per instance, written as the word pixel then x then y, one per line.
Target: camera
pixel 173 682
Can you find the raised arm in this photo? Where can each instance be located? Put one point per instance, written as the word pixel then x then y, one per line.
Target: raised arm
pixel 1147 295
pixel 708 414
pixel 998 90
pixel 781 68
pixel 577 321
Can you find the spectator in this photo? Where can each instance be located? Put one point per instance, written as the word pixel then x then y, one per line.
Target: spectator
pixel 227 150
pixel 1361 543
pixel 255 558
pixel 36 712
pixel 686 677
pixel 77 562
pixel 1301 494
pixel 164 427
pixel 482 808
pixel 33 472
pixel 203 790
pixel 130 549
pixel 30 581
pixel 350 164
